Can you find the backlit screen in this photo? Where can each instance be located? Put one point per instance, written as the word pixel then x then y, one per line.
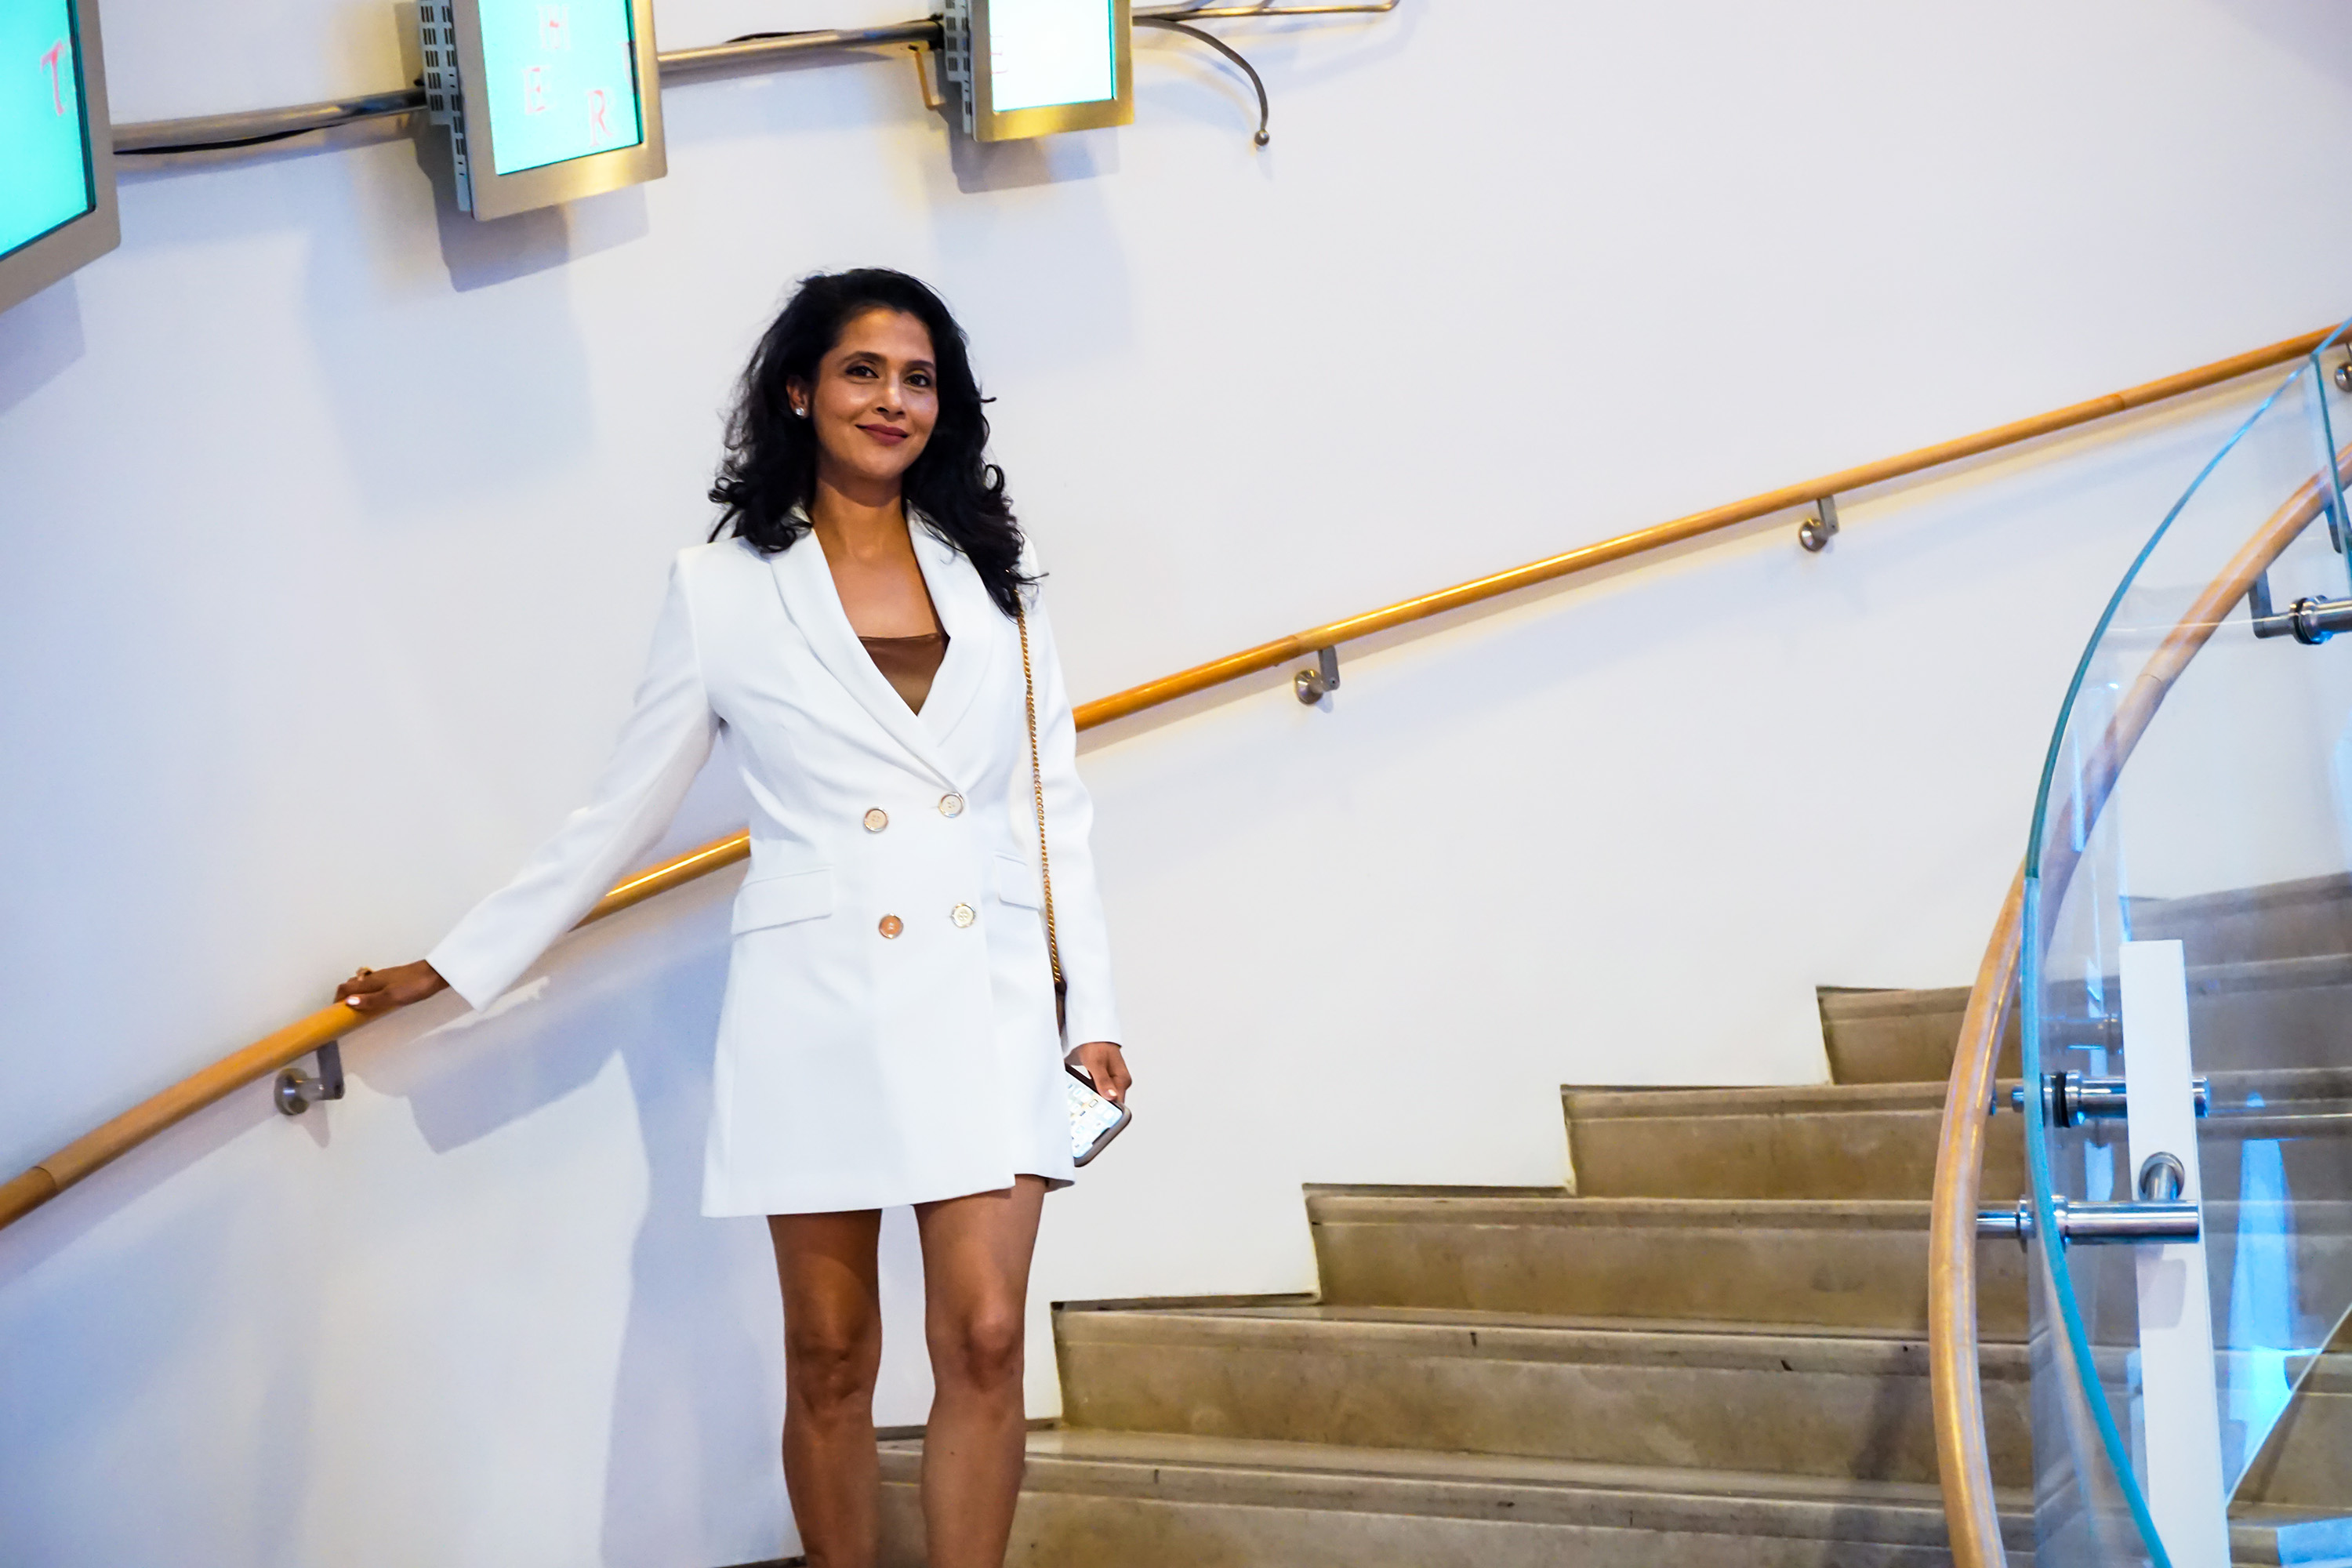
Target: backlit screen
pixel 563 80
pixel 1050 52
pixel 44 159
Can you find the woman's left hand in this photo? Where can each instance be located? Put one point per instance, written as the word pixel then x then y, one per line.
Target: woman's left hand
pixel 1101 1061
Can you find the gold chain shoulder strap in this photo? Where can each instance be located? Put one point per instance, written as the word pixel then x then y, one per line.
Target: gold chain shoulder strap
pixel 1045 861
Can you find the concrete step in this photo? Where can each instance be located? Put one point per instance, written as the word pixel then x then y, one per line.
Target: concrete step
pixel 1859 1264
pixel 1711 1396
pixel 2306 1462
pixel 1899 1036
pixel 1837 1140
pixel 1116 1499
pixel 2263 1536
pixel 2271 1013
pixel 2281 919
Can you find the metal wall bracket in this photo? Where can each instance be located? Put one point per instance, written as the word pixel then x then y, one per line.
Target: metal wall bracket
pixel 2090 1222
pixel 2308 620
pixel 1314 685
pixel 934 98
pixel 1816 532
pixel 2071 1099
pixel 2344 375
pixel 298 1090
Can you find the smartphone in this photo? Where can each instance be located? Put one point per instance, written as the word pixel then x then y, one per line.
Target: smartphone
pixel 1094 1121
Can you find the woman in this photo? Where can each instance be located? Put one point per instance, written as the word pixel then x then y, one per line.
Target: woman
pixel 888 1034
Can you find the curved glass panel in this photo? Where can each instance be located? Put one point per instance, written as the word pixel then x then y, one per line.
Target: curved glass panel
pixel 2187 1010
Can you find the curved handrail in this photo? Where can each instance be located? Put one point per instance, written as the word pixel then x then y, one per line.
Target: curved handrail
pixel 20 1195
pixel 1963 1462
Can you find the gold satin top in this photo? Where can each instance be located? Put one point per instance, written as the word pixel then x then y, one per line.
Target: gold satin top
pixel 908 664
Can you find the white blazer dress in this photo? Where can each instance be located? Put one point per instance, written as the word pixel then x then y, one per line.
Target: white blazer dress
pixel 856 1068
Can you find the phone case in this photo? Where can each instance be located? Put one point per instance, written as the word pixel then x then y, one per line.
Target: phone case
pixel 1094 1121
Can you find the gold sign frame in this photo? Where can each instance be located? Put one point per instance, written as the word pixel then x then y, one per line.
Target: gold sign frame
pixel 968 29
pixel 489 194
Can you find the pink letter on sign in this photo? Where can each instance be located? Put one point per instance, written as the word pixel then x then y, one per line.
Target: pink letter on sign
pixel 534 90
pixel 596 101
pixel 555 27
pixel 53 60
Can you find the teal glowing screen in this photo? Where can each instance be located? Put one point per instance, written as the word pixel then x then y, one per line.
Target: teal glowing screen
pixel 44 146
pixel 563 80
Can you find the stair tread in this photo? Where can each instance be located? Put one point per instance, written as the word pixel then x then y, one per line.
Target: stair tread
pixel 1632 1102
pixel 1440 1331
pixel 2256 1529
pixel 1615 1101
pixel 1423 1206
pixel 1559 1207
pixel 1179 1467
pixel 1843 1002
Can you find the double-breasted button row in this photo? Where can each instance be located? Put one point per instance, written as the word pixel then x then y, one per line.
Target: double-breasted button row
pixel 964 915
pixel 877 819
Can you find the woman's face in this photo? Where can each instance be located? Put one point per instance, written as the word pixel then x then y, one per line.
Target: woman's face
pixel 876 400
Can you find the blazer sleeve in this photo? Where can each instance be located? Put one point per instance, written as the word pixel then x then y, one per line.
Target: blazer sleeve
pixel 664 744
pixel 1093 1006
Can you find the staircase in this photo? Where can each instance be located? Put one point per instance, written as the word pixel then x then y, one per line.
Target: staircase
pixel 1712 1352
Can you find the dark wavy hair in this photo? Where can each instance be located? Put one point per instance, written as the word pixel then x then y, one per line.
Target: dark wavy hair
pixel 770 470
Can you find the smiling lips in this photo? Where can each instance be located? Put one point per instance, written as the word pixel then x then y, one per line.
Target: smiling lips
pixel 889 435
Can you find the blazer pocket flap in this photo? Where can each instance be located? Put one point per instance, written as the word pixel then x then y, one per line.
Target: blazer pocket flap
pixel 1018 883
pixel 780 900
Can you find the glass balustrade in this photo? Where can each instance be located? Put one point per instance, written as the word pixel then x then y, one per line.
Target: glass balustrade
pixel 2187 1009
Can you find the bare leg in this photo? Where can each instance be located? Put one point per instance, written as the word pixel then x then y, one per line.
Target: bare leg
pixel 976 1290
pixel 833 1348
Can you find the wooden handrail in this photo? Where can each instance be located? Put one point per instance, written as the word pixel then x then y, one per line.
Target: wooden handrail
pixel 28 1191
pixel 1962 1460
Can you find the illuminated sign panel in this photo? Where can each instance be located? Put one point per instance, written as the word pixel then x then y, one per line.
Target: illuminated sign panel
pixel 546 100
pixel 57 163
pixel 1051 52
pixel 1030 68
pixel 56 166
pixel 45 180
pixel 563 80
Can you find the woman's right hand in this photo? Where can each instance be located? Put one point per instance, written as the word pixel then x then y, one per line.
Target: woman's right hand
pixel 381 990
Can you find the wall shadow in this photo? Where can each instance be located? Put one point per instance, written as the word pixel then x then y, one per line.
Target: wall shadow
pixel 480 252
pixel 697 1388
pixel 39 340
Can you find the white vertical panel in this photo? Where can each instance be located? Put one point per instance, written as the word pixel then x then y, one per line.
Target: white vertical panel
pixel 2176 1321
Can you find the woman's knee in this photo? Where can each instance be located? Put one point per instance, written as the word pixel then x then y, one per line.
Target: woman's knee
pixel 831 1363
pixel 981 1347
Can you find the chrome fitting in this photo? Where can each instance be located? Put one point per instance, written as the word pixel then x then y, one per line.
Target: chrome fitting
pixel 2170 1220
pixel 298 1090
pixel 1816 532
pixel 2162 1178
pixel 2071 1099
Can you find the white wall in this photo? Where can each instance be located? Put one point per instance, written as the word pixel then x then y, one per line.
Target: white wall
pixel 334 528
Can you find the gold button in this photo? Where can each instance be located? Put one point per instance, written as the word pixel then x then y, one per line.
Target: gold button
pixel 877 819
pixel 950 805
pixel 891 926
pixel 964 914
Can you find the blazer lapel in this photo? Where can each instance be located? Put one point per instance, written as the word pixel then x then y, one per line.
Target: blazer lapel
pixel 971 620
pixel 805 582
